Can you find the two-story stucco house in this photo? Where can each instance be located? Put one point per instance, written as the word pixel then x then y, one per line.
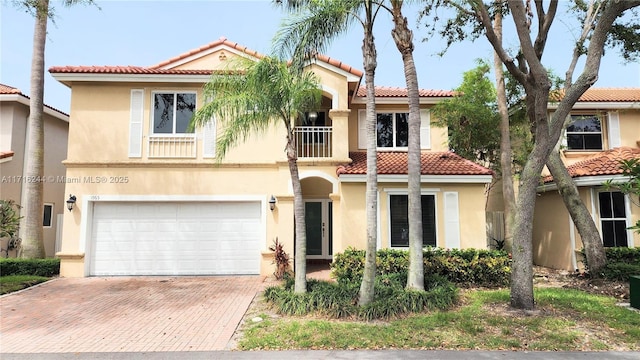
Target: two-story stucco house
pixel 604 129
pixel 14 147
pixel 152 200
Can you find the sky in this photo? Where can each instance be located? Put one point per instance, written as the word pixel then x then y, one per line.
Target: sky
pixel 144 33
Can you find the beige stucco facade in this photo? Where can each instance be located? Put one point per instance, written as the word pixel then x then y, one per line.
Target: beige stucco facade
pixel 101 167
pixel 556 241
pixel 14 114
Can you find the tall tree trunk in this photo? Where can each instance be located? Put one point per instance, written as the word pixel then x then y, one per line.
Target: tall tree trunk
pixel 508 193
pixel 368 277
pixel 403 38
pixel 32 241
pixel 594 249
pixel 300 256
pixel 522 251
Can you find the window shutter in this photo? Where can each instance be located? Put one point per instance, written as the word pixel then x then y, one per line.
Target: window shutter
pixel 614 129
pixel 135 123
pixel 425 129
pixel 563 136
pixel 362 129
pixel 451 220
pixel 209 139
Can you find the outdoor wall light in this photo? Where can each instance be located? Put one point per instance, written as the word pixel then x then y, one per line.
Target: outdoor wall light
pixel 272 203
pixel 71 202
pixel 313 116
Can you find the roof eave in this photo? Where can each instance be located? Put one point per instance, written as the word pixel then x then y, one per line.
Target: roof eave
pixel 599 105
pixel 597 180
pixel 403 178
pixel 24 100
pixel 69 78
pixel 396 100
pixel 323 64
pixel 223 46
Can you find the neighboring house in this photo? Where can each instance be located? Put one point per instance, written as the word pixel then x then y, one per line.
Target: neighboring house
pixel 14 147
pixel 604 129
pixel 153 201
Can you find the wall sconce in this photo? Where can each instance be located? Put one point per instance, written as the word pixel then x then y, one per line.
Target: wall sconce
pixel 272 203
pixel 71 202
pixel 313 116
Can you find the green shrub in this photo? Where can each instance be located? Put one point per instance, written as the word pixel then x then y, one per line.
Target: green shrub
pixel 464 267
pixel 622 262
pixel 620 271
pixel 36 267
pixel 623 255
pixel 339 300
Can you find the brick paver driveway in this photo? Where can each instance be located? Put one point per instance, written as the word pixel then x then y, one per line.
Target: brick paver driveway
pixel 126 314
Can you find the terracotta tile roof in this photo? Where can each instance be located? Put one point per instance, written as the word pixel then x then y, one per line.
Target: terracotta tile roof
pixel 395 163
pixel 156 69
pixel 604 95
pixel 386 91
pixel 124 70
pixel 6 89
pixel 6 154
pixel 604 163
pixel 341 65
pixel 222 41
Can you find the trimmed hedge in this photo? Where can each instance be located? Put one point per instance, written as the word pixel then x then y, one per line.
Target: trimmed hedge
pixel 622 262
pixel 37 267
pixel 469 267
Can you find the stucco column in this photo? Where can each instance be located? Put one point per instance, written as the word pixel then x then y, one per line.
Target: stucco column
pixel 340 125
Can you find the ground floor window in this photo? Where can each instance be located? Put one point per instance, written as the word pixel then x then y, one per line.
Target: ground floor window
pixel 47 215
pixel 613 218
pixel 399 220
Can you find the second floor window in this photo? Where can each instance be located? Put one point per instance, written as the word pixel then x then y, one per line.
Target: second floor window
pixel 584 133
pixel 393 130
pixel 172 112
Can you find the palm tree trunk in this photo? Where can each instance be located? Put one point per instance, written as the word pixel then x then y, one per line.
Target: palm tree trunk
pixel 508 192
pixel 368 278
pixel 300 285
pixel 32 240
pixel 403 38
pixel 593 247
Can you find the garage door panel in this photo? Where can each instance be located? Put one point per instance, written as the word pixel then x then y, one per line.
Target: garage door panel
pixel 198 238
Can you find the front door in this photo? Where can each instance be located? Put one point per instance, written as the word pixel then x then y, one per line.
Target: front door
pixel 318 219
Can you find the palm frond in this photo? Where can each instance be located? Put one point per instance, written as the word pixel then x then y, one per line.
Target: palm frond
pixel 251 101
pixel 311 29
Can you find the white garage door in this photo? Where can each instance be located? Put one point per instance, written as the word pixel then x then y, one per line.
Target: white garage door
pixel 186 238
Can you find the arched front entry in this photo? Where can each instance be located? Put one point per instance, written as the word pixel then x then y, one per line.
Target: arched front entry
pixel 318 217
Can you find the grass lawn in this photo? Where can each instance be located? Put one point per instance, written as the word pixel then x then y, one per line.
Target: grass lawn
pixel 564 319
pixel 13 283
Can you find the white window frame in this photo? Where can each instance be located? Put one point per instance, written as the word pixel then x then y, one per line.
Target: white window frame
pixel 627 218
pixel 585 115
pixel 394 114
pixel 175 109
pixel 405 192
pixel 425 129
pixel 51 205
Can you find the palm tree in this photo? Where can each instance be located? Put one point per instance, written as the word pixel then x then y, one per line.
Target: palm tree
pixel 32 239
pixel 403 37
pixel 309 31
pixel 253 99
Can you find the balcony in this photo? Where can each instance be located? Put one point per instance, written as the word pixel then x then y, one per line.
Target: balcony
pixel 314 141
pixel 176 147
